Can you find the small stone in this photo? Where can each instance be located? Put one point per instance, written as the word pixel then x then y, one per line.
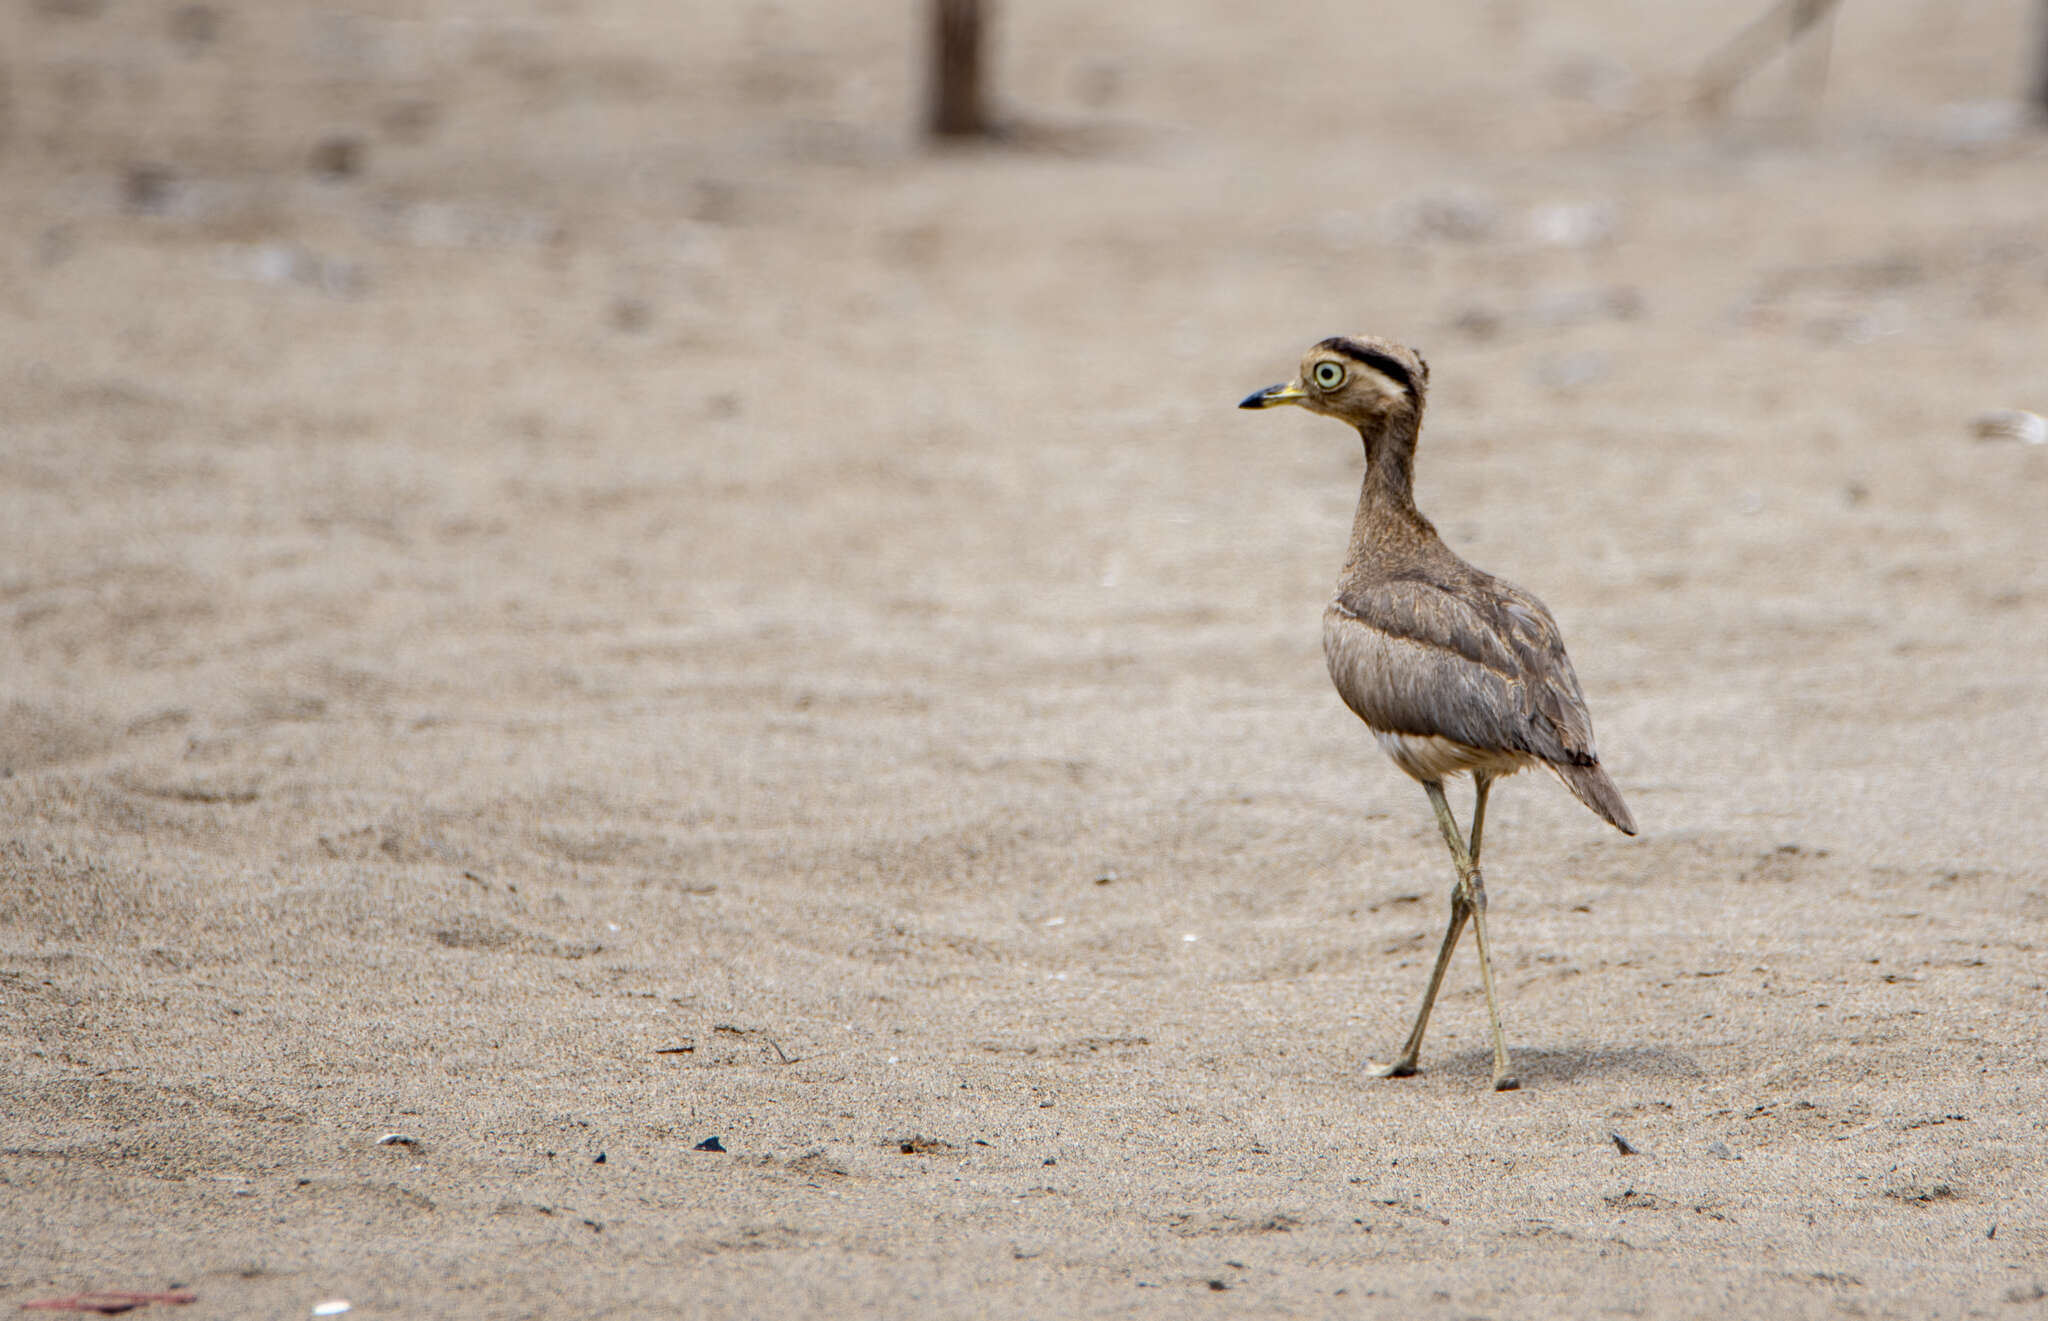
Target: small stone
pixel 709 1144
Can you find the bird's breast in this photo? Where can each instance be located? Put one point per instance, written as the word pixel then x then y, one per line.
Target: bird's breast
pixel 1376 674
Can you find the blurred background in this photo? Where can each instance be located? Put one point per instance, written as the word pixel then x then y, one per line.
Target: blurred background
pixel 347 331
pixel 580 576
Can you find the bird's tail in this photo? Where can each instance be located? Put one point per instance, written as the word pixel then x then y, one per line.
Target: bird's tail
pixel 1590 785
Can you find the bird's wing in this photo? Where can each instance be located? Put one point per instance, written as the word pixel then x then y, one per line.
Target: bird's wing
pixel 1485 667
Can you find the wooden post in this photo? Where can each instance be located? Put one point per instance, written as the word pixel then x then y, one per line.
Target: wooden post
pixel 2038 93
pixel 955 107
pixel 1752 47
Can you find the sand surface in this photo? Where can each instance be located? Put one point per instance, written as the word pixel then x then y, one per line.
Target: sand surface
pixel 566 590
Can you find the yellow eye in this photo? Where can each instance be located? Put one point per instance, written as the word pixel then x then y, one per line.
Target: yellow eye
pixel 1329 375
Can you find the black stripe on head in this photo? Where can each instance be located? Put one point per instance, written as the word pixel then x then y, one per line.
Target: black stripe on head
pixel 1386 364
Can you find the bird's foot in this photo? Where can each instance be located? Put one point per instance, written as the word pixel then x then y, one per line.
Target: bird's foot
pixel 1507 1082
pixel 1398 1069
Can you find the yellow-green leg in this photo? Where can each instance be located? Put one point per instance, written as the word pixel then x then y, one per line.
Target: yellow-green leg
pixel 1482 783
pixel 1411 1049
pixel 1468 901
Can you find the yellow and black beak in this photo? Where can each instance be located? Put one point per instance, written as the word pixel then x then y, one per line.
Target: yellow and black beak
pixel 1274 395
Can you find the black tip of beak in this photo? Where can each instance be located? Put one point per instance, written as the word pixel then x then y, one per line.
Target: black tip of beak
pixel 1256 399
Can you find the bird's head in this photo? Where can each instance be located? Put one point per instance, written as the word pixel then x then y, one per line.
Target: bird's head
pixel 1365 381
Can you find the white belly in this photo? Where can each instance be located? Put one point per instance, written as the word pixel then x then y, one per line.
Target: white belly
pixel 1431 757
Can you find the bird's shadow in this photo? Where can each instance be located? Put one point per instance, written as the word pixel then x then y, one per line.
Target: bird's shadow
pixel 1572 1064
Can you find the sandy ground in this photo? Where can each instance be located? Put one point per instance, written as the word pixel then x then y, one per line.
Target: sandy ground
pixel 566 591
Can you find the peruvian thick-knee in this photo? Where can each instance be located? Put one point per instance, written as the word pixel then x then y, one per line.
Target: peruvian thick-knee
pixel 1454 670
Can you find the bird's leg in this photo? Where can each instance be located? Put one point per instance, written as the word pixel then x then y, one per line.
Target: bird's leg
pixel 1503 1081
pixel 1411 1050
pixel 1472 890
pixel 1481 784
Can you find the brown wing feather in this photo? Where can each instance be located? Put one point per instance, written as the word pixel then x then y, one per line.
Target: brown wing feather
pixel 1485 666
pixel 1487 669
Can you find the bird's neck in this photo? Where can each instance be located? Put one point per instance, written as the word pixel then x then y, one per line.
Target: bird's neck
pixel 1388 527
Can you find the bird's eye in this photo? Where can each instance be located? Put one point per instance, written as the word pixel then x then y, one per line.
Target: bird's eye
pixel 1329 375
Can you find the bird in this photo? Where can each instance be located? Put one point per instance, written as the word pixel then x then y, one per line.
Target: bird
pixel 1453 670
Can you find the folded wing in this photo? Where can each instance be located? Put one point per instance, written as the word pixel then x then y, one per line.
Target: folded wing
pixel 1485 667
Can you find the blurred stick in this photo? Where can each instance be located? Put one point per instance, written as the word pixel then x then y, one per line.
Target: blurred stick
pixel 1810 66
pixel 1753 47
pixel 955 107
pixel 2040 87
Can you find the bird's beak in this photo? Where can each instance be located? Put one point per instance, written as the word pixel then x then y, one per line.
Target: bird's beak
pixel 1275 395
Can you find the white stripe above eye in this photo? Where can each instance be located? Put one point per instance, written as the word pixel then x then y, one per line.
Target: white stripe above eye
pixel 1394 390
